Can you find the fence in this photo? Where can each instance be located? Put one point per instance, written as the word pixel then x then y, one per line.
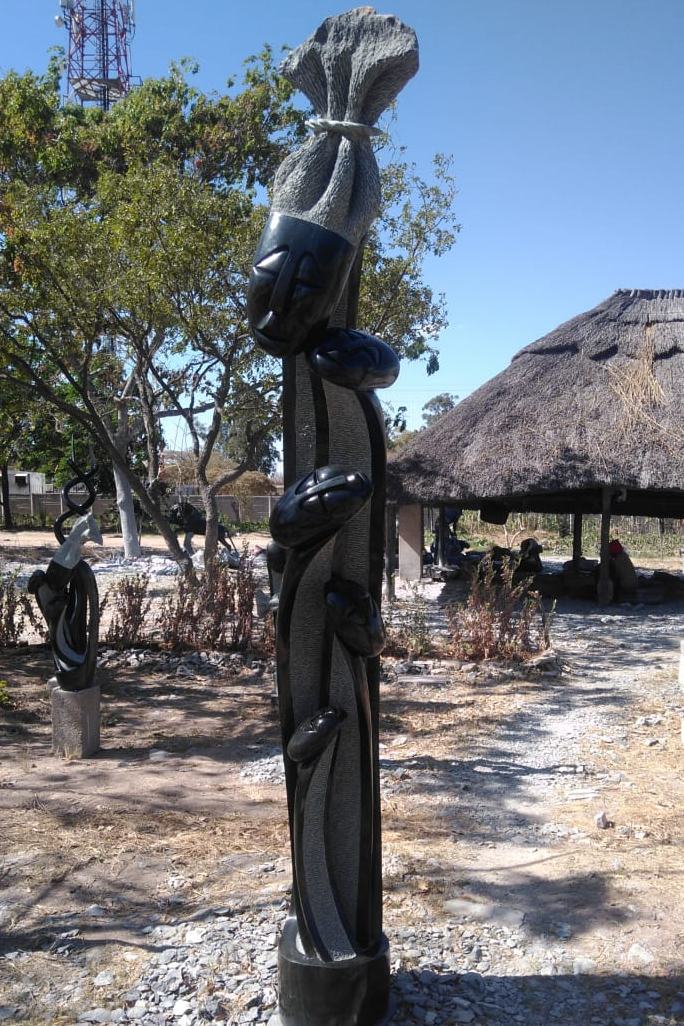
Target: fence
pixel 233 509
pixel 47 507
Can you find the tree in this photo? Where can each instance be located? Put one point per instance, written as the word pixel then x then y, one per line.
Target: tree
pixel 234 444
pixel 12 424
pixel 437 406
pixel 126 239
pixel 416 222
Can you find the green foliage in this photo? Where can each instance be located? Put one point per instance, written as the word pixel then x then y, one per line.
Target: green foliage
pixel 500 619
pixel 395 420
pixel 5 696
pixel 126 239
pixel 642 536
pixel 243 443
pixel 250 527
pixel 436 407
pixel 645 537
pixel 416 224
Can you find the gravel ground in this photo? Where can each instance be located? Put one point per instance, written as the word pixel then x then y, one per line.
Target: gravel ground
pixel 482 961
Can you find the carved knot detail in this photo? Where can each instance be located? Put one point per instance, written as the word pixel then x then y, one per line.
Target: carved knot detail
pixel 351 129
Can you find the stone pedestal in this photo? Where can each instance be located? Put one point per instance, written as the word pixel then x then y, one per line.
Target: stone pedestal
pixel 76 722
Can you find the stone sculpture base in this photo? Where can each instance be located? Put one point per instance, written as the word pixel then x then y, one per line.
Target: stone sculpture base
pixel 681 674
pixel 76 722
pixel 353 992
pixel 275 1019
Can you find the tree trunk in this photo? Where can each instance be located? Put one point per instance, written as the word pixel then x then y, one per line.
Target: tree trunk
pixel 7 521
pixel 124 493
pixel 126 507
pixel 604 591
pixel 212 517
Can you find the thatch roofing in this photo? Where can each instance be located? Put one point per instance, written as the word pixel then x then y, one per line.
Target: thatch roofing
pixel 597 402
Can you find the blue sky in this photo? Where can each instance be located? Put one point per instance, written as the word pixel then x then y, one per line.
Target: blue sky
pixel 564 121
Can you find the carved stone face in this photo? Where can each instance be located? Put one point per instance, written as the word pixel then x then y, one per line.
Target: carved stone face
pixel 299 274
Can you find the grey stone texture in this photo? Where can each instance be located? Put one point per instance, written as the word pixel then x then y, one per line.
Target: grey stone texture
pixel 351 69
pixel 76 722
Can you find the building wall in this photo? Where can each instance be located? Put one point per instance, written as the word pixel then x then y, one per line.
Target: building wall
pixel 26 482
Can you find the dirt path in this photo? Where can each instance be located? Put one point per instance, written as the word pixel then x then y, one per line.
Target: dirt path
pixel 492 781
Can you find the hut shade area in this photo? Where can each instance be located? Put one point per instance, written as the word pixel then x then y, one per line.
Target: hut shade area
pixel 590 413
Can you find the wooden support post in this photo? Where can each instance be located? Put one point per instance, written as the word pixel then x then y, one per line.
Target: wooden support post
pixel 390 549
pixel 604 591
pixel 441 535
pixel 576 538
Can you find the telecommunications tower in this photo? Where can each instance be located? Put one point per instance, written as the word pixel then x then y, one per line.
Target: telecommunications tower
pixel 98 66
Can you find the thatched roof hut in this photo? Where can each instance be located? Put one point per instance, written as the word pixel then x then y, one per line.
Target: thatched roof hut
pixel 588 419
pixel 589 415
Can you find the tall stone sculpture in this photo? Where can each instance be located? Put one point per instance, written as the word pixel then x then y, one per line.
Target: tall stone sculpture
pixel 67 595
pixel 327 553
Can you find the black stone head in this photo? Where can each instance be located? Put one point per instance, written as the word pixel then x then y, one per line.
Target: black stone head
pixel 299 273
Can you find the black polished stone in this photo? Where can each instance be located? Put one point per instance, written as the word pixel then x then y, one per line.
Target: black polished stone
pixel 317 505
pixel 353 992
pixel 315 734
pixel 354 360
pixel 299 273
pixel 355 617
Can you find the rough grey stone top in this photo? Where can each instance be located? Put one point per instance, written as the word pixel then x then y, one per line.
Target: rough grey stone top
pixel 351 69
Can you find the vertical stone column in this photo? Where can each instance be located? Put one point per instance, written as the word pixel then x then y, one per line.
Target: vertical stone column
pixel 333 955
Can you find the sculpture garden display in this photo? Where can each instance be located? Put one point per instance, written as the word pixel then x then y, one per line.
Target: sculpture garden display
pixel 326 558
pixel 67 592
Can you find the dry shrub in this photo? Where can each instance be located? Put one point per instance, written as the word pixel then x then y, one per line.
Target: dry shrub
pixel 264 643
pixel 406 627
pixel 129 624
pixel 215 611
pixel 15 611
pixel 501 618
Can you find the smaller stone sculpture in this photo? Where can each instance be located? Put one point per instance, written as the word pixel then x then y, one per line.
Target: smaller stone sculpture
pixel 67 595
pixel 184 514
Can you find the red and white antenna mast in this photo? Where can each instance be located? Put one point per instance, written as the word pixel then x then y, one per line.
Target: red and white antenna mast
pixel 98 59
